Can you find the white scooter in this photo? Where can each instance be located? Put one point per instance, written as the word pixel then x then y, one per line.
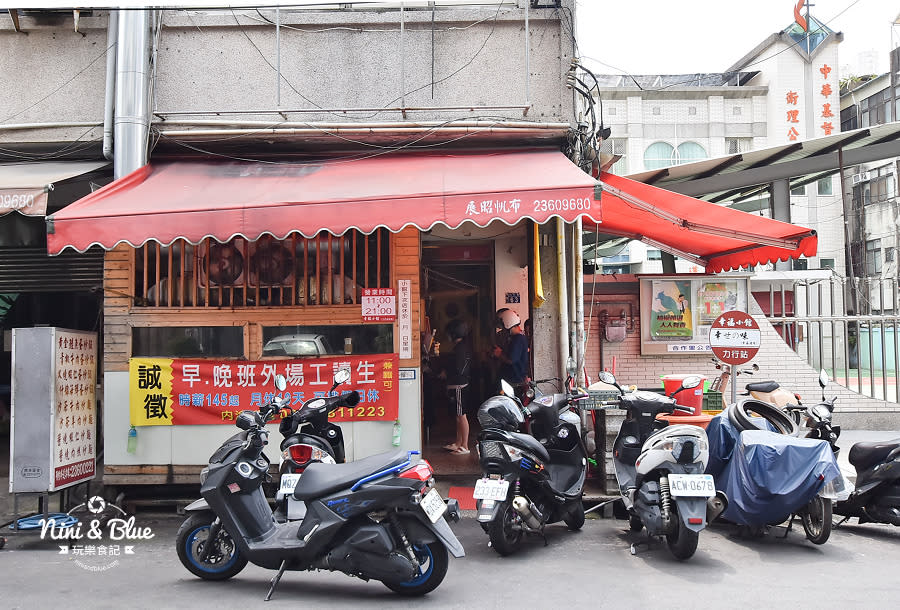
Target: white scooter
pixel 660 469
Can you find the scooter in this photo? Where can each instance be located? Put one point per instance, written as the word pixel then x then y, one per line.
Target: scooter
pixel 528 481
pixel 817 417
pixel 660 469
pixel 377 518
pixel 876 494
pixel 308 438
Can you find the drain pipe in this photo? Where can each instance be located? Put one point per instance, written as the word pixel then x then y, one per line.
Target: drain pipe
pixel 132 105
pixel 578 273
pixel 112 33
pixel 563 293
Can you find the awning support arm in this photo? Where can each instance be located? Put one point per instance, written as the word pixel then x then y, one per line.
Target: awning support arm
pixel 787 243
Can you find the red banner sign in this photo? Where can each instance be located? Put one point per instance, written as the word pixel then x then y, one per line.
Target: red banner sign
pixel 167 391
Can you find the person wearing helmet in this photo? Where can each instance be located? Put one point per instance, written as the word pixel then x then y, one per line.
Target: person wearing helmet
pixel 514 358
pixel 458 382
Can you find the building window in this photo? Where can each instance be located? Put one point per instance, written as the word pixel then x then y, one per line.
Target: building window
pixel 690 151
pixel 616 146
pixel 738 145
pixel 873 256
pixel 187 342
pixel 799 191
pixel 890 254
pixel 325 270
pixel 826 263
pixel 653 254
pixel 663 154
pixel 824 186
pixel 659 154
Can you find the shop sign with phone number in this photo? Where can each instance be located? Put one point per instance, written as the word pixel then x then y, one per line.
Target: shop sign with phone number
pixel 172 391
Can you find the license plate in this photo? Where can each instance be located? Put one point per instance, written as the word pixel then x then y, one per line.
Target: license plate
pixel 433 505
pixel 692 485
pixel 490 489
pixel 288 483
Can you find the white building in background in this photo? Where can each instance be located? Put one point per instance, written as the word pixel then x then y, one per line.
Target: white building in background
pixel 784 90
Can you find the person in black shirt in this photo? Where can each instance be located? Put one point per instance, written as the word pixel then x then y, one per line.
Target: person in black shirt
pixel 457 383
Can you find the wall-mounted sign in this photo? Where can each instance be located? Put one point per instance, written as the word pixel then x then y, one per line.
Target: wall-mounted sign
pixel 167 392
pixel 677 311
pixel 405 324
pixel 378 305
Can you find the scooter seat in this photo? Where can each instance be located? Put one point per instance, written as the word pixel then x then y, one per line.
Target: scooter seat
pixel 762 386
pixel 322 479
pixel 863 455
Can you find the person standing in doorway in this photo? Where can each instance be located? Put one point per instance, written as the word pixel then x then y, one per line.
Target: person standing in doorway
pixel 457 383
pixel 514 358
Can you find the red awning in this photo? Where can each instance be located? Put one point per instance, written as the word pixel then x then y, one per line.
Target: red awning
pixel 193 200
pixel 717 237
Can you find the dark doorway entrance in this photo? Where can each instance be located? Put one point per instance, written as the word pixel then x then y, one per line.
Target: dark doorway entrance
pixel 458 284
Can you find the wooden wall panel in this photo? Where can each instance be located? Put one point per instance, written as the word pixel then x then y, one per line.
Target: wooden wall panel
pixel 120 314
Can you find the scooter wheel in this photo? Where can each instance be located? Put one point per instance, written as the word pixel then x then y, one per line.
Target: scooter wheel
pixel 224 560
pixel 816 518
pixel 574 518
pixel 682 541
pixel 433 561
pixel 504 531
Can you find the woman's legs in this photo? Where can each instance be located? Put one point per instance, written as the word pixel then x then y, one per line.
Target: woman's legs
pixel 462 431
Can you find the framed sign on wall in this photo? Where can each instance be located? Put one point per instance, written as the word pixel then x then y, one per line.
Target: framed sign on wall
pixel 677 311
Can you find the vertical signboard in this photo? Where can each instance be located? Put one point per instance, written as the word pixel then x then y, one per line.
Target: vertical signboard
pixel 405 318
pixel 74 407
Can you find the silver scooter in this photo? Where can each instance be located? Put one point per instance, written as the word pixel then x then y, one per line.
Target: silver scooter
pixel 660 469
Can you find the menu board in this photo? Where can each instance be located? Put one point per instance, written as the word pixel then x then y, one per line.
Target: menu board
pixel 74 408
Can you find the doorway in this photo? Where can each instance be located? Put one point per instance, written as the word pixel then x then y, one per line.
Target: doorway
pixel 458 284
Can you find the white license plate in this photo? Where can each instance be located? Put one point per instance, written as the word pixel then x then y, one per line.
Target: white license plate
pixel 433 505
pixel 490 489
pixel 692 485
pixel 288 483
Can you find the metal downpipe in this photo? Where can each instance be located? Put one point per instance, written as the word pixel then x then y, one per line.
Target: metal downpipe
pixel 563 293
pixel 112 33
pixel 132 106
pixel 578 272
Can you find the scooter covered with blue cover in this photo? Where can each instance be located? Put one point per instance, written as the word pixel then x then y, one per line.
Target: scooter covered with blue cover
pixel 767 476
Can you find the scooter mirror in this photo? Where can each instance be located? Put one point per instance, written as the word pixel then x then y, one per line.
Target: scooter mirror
pixel 507 389
pixel 280 383
pixel 691 381
pixel 823 378
pixel 606 377
pixel 570 366
pixel 342 376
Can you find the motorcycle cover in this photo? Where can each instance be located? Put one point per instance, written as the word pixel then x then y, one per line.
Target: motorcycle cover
pixel 767 476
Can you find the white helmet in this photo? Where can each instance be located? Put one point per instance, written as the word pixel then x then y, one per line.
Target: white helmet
pixel 509 318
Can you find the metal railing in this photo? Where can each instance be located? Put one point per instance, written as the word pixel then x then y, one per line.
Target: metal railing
pixel 848 326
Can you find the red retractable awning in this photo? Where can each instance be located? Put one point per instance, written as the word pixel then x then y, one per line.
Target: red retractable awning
pixel 717 237
pixel 193 200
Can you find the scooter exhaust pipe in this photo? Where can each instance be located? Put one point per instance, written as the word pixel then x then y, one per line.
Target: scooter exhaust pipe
pixel 529 512
pixel 715 506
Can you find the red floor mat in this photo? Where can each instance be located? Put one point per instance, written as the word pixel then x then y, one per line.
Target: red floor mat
pixel 463 495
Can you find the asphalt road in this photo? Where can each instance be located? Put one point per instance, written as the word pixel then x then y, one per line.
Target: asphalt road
pixel 593 568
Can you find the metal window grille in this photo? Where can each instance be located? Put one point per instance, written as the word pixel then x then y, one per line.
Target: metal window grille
pixel 326 270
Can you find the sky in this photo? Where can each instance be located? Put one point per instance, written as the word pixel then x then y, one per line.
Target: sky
pixel 685 36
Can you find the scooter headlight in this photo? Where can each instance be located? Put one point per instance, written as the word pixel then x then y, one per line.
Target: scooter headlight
pixel 821 412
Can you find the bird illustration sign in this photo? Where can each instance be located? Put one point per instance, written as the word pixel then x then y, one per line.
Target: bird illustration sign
pixel 735 337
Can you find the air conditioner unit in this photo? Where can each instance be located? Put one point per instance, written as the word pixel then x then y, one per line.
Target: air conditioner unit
pixel 858 178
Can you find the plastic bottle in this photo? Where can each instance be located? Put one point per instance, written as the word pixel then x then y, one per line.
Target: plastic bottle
pixel 132 440
pixel 395 437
